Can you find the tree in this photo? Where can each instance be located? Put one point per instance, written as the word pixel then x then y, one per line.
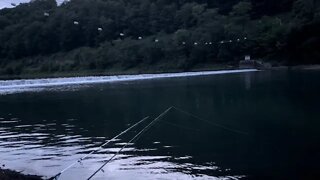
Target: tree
pixel 304 10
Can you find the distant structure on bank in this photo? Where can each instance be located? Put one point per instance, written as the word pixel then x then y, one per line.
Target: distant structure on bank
pixel 247 63
pixel 247 58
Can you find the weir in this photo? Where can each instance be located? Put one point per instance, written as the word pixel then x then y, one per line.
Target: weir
pixel 11 86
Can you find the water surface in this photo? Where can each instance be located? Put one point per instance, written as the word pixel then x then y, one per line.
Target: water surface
pixel 271 119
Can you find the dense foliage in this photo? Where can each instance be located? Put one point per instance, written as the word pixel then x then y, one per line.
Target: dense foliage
pixel 103 34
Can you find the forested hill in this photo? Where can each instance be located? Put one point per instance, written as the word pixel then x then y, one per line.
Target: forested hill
pixel 101 35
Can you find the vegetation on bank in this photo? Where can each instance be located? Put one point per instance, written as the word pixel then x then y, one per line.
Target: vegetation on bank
pixel 29 74
pixel 13 175
pixel 111 36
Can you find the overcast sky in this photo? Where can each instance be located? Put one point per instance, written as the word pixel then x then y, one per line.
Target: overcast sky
pixel 7 3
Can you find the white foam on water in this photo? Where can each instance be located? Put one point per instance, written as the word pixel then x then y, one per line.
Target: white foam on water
pixel 15 86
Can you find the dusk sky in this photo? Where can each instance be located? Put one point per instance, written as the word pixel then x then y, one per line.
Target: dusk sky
pixel 7 3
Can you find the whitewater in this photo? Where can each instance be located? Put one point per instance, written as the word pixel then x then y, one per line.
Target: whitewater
pixel 12 86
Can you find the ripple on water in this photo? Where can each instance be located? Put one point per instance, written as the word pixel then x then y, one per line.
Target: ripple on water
pixel 23 126
pixel 8 122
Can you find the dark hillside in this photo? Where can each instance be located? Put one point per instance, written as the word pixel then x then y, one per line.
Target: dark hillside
pixel 117 35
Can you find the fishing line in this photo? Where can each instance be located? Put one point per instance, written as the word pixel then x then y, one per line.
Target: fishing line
pixel 99 148
pixel 135 138
pixel 140 133
pixel 209 122
pixel 180 126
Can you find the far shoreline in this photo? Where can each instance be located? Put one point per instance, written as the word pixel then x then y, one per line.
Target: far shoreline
pixel 216 67
pixel 116 72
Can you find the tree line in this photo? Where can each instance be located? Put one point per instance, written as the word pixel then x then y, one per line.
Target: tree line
pixel 99 35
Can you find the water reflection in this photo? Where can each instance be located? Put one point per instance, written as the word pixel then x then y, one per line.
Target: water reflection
pixel 247 80
pixel 43 132
pixel 39 149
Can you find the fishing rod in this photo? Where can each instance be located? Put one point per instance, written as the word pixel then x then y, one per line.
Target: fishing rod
pixel 135 138
pixel 99 148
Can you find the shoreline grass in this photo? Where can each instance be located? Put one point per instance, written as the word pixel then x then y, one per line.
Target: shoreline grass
pixel 6 174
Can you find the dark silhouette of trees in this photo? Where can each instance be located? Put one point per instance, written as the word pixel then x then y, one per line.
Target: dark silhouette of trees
pixel 161 34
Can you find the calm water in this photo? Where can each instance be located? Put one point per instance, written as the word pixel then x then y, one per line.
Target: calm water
pixel 44 131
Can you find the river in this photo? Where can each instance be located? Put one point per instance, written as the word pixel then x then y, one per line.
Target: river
pixel 239 125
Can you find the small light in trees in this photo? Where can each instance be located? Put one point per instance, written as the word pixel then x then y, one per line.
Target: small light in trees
pixel 139 37
pixel 46 14
pixel 238 40
pixel 210 43
pixel 183 43
pixel 245 38
pixel 206 43
pixel 221 42
pixel 230 41
pixel 75 22
pixel 100 29
pixel 156 40
pixel 121 34
pixel 195 43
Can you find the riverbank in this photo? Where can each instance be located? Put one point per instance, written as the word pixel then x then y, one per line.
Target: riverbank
pixel 6 174
pixel 306 67
pixel 27 83
pixel 143 70
pixel 118 71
